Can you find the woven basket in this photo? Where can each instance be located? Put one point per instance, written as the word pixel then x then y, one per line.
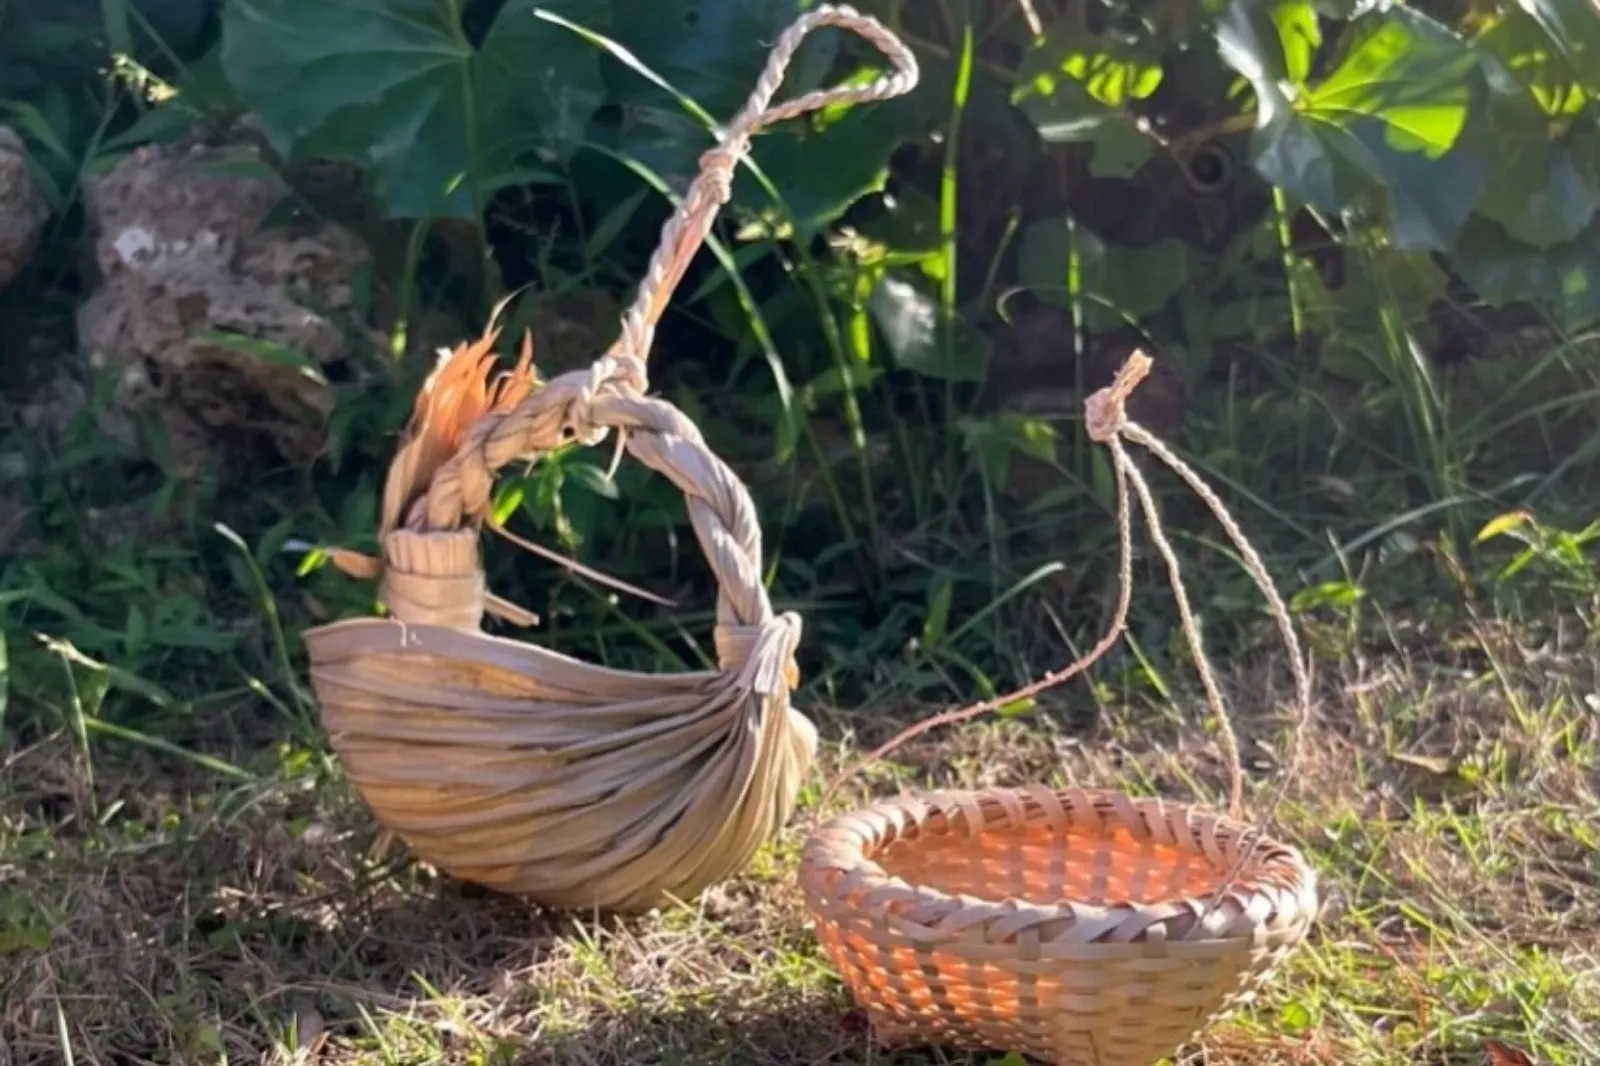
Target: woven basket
pixel 525 770
pixel 1086 928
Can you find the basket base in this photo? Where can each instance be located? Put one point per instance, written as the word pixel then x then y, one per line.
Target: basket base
pixel 1129 1041
pixel 1082 928
pixel 569 785
pixel 1079 1048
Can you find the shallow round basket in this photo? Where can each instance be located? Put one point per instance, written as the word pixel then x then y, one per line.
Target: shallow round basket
pixel 1085 928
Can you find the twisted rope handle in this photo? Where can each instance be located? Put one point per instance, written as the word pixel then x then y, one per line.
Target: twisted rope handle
pixel 683 233
pixel 566 408
pixel 1106 422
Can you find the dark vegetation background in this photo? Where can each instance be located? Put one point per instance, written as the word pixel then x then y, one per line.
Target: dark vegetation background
pixel 1360 239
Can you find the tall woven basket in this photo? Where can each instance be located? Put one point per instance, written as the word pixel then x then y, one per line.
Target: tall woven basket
pixel 505 763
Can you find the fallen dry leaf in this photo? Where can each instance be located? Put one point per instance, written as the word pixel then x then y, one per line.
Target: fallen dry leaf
pixel 1505 1055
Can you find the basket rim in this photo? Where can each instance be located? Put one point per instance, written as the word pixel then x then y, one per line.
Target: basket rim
pixel 369 635
pixel 840 845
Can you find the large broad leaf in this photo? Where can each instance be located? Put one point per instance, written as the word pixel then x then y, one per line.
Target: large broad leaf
pixel 923 336
pixel 396 85
pixel 1525 51
pixel 1565 279
pixel 1381 129
pixel 1537 186
pixel 818 172
pixel 709 51
pixel 1077 87
pixel 1061 263
pixel 1574 29
pixel 712 52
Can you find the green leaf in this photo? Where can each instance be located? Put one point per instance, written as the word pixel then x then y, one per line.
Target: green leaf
pixel 1565 278
pixel 1544 210
pixel 1340 594
pixel 1520 43
pixel 1296 1017
pixel 714 50
pixel 267 351
pixel 1501 525
pixel 1121 146
pixel 995 439
pixel 593 479
pixel 1574 29
pixel 708 51
pixel 1299 36
pixel 1380 279
pixel 713 53
pixel 1116 284
pixel 1536 187
pixel 1108 70
pixel 923 337
pixel 1409 281
pixel 936 621
pixel 1381 128
pixel 818 173
pixel 1076 87
pixel 397 85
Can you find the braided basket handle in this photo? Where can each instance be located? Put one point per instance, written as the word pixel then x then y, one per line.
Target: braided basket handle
pixel 683 233
pixel 565 409
pixel 466 429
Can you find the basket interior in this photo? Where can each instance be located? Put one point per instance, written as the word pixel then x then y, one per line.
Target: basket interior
pixel 1045 866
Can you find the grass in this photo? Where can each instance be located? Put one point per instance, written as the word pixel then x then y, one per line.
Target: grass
pixel 1450 804
pixel 180 883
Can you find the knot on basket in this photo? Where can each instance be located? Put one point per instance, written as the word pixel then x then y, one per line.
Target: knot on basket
pixel 718 165
pixel 564 410
pixel 623 370
pixel 619 372
pixel 516 766
pixel 1105 412
pixel 623 367
pixel 761 657
pixel 434 578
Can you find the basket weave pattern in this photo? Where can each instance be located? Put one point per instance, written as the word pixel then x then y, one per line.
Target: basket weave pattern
pixel 1083 927
pixel 517 767
pixel 531 772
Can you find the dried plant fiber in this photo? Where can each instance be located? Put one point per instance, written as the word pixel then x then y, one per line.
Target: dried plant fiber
pixel 526 770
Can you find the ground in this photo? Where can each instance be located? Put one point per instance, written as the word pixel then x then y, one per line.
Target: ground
pixel 1451 809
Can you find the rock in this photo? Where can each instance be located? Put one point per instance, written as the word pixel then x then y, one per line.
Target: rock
pixel 50 408
pixel 23 211
pixel 222 330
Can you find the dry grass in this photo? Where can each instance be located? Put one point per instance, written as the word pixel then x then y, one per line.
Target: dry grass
pixel 1454 814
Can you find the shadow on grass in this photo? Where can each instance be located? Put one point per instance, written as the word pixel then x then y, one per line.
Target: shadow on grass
pixel 723 1031
pixel 154 921
pixel 164 918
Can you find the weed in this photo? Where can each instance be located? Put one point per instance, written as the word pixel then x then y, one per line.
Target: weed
pixel 1446 806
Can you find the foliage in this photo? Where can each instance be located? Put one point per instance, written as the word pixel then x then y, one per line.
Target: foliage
pixel 444 121
pixel 1476 141
pixel 400 88
pixel 1329 219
